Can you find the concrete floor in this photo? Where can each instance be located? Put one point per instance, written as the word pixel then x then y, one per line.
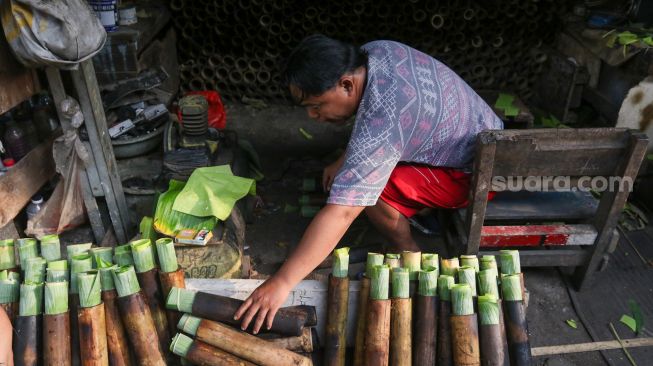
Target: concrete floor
pixel 287 156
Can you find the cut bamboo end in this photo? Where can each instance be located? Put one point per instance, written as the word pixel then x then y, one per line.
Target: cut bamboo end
pixel 487 283
pixel 104 253
pixel 106 277
pixel 181 299
pixel 340 262
pixel 165 248
pixel 428 281
pixel 392 260
pixel 400 283
pixel 467 275
pixel 488 262
pixel 123 255
pixel 510 263
pixel 31 299
pixel 7 256
pixel 9 291
pixel 470 261
pixel 51 247
pixel 431 260
pixel 56 298
pixel 189 324
pixel 488 310
pixel 90 291
pixel 373 260
pixel 125 281
pixel 449 267
pixel 35 270
pixel 76 249
pixel 511 287
pixel 444 287
pixel 80 263
pixel 412 261
pixel 181 344
pixel 143 255
pixel 462 300
pixel 26 249
pixel 380 282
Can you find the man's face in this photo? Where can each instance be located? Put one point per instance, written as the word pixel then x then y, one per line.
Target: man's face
pixel 334 106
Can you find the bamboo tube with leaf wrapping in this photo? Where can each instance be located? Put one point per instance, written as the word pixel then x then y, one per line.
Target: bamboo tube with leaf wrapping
pixel 373 259
pixel 393 260
pixel 136 318
pixel 305 343
pixel 240 344
pixel 51 248
pixel 494 349
pixel 426 317
pixel 57 271
pixel 515 317
pixel 444 351
pixel 35 270
pixel 511 265
pixel 449 267
pixel 56 325
pixel 222 309
pixel 80 261
pixel 92 321
pixel 377 334
pixel 464 326
pixel 9 295
pixel 470 261
pixel 337 300
pixel 76 249
pixel 27 248
pixel 106 253
pixel 170 275
pixel 28 338
pixel 401 311
pixel 148 278
pixel 117 343
pixel 430 260
pixel 200 353
pixel 467 275
pixel 123 255
pixel 488 262
pixel 7 256
pixel 412 261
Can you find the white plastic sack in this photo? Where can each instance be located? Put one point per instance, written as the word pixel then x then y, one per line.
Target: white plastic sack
pixel 54 33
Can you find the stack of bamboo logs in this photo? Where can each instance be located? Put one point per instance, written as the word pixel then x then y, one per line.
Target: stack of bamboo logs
pixel 237 47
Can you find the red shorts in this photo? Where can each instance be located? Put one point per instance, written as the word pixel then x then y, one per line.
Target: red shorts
pixel 412 188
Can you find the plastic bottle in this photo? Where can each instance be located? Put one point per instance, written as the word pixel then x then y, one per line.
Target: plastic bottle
pixel 43 116
pixel 16 140
pixel 35 206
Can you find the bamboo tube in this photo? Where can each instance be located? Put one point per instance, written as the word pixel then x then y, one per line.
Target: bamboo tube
pixel 487 283
pixel 123 255
pixel 79 263
pixel 137 318
pixel 467 275
pixel 301 344
pixel 56 325
pixel 412 261
pixel 28 336
pixel 373 259
pixel 222 309
pixel 393 260
pixel 488 262
pixel 9 297
pixel 76 249
pixel 7 256
pixel 117 344
pixel 470 261
pixel 35 270
pixel 431 260
pixel 239 343
pixel 449 267
pixel 51 248
pixel 104 253
pixel 464 327
pixel 337 301
pixel 494 350
pixel 26 249
pixel 400 318
pixel 57 271
pixel 444 351
pixel 91 320
pixel 308 310
pixel 516 324
pixel 170 276
pixel 201 353
pixel 377 334
pixel 426 320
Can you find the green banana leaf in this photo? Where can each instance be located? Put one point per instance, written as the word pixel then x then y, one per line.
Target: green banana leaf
pixel 168 221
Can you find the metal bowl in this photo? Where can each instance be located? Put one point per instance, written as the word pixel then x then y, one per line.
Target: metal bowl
pixel 136 146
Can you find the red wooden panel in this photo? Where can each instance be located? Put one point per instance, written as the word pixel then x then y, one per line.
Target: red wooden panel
pixel 537 235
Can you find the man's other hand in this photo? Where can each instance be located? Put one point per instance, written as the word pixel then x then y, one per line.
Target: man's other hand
pixel 330 172
pixel 263 304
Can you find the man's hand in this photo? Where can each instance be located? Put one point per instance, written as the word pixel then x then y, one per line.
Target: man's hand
pixel 330 172
pixel 263 303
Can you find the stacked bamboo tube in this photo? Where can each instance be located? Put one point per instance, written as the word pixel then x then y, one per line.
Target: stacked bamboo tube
pixel 238 47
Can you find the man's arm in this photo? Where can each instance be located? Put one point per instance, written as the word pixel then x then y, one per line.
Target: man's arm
pixel 319 239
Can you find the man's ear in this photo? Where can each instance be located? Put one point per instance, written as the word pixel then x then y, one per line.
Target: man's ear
pixel 347 83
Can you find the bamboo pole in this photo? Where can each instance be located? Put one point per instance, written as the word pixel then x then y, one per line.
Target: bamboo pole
pixel 515 318
pixel 412 261
pixel 7 256
pixel 56 325
pixel 494 349
pixel 239 343
pixel 27 248
pixel 449 267
pixel 28 338
pixel 400 318
pixel 80 261
pixel 170 275
pixel 445 351
pixel 9 296
pixel 201 353
pixel 92 321
pixel 303 343
pixel 377 334
pixel 373 259
pixel 591 347
pixel 117 344
pixel 137 318
pixel 464 327
pixel 337 301
pixel 426 318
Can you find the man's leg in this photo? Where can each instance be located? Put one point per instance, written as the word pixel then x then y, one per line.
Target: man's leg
pixel 393 225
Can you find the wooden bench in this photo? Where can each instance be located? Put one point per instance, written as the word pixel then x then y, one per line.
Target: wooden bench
pixel 550 228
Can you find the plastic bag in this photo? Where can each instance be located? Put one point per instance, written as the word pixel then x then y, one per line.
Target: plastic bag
pixel 217 114
pixel 55 33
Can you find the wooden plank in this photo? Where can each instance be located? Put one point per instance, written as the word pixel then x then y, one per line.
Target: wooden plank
pixel 307 292
pixel 537 235
pixel 89 98
pixel 548 258
pixel 591 346
pixel 25 179
pixel 58 92
pixel 18 82
pixel 481 181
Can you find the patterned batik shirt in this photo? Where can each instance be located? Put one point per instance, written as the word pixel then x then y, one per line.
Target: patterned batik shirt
pixel 414 109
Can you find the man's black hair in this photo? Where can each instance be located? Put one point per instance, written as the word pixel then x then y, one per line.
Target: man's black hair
pixel 318 62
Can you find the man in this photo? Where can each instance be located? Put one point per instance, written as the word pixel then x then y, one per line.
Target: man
pixel 411 147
